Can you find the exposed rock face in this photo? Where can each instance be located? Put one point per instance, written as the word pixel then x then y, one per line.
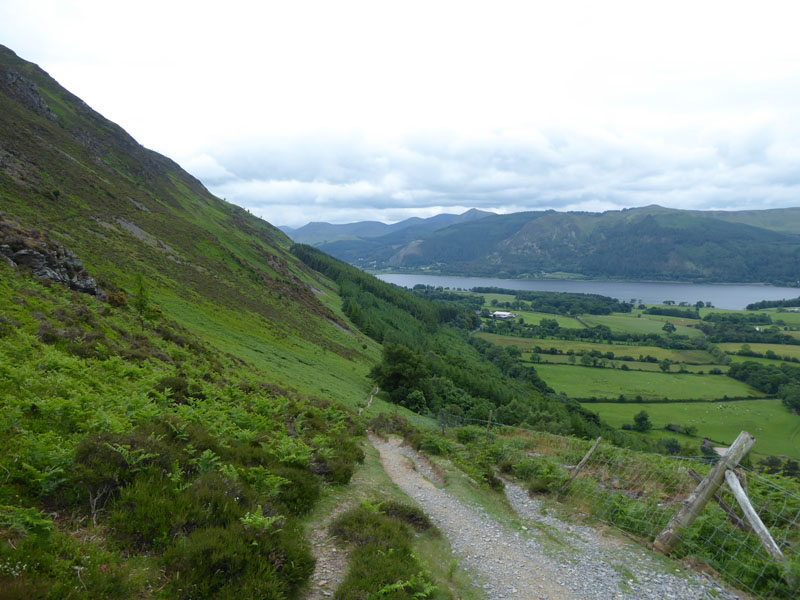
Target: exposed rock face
pixel 27 93
pixel 46 259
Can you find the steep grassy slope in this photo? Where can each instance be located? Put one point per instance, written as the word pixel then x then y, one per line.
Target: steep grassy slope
pixel 211 266
pixel 644 243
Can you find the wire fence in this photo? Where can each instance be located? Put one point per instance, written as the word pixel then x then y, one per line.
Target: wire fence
pixel 640 493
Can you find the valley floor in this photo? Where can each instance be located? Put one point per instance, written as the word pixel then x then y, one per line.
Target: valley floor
pixel 543 556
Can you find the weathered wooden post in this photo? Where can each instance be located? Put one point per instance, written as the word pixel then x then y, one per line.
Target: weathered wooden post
pixel 580 466
pixel 444 424
pixel 669 538
pixel 752 516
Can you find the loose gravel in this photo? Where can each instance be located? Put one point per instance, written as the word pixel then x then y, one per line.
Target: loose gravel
pixel 582 565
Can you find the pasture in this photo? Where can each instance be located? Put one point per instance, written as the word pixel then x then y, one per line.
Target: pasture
pixel 634 365
pixel 779 349
pixel 621 323
pixel 776 431
pixel 588 382
pixel 698 357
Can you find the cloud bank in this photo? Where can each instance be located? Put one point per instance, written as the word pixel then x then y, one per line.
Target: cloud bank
pixel 735 166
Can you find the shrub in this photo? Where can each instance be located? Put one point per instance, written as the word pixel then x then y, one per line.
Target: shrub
pixel 146 515
pixel 470 433
pixel 383 564
pixel 412 515
pixel 493 480
pixel 300 495
pixel 547 477
pixel 240 563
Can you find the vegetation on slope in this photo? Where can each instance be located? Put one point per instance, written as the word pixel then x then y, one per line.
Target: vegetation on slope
pixel 137 459
pixel 651 243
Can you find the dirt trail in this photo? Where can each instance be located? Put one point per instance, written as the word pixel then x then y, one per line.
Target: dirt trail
pixel 581 564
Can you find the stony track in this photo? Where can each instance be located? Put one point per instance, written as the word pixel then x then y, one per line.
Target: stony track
pixel 582 564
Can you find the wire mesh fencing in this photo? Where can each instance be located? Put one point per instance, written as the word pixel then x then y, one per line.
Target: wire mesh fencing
pixel 639 493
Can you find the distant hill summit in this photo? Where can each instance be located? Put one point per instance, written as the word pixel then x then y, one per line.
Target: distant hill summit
pixel 647 243
pixel 316 233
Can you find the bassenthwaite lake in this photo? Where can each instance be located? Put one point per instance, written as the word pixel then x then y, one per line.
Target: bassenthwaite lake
pixel 721 295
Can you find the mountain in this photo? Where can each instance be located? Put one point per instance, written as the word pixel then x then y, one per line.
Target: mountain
pixel 125 210
pixel 648 243
pixel 316 233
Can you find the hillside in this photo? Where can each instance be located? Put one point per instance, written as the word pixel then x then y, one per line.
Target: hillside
pixel 650 243
pixel 178 381
pixel 124 210
pixel 315 234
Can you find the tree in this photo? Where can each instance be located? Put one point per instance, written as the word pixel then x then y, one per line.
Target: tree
pixel 672 445
pixel 669 327
pixel 669 302
pixel 145 310
pixel 664 365
pixel 400 372
pixel 641 421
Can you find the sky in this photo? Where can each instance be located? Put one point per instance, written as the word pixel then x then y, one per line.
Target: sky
pixel 381 110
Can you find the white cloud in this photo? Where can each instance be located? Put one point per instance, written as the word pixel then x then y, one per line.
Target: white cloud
pixel 332 111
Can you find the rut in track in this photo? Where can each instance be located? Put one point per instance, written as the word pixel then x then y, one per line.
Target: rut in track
pixel 583 565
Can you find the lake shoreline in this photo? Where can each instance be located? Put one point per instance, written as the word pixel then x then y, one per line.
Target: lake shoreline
pixel 730 296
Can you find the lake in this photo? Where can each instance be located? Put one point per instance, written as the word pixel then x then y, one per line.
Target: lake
pixel 721 295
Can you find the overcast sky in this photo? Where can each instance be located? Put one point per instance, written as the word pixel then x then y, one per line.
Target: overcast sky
pixel 346 111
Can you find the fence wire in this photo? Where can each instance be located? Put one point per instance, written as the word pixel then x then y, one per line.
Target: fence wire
pixel 639 493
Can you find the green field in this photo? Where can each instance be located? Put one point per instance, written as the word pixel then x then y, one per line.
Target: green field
pixel 779 349
pixel 764 361
pixel 635 365
pixel 587 382
pixel 631 324
pixel 533 318
pixel 777 432
pixel 499 297
pixel 698 357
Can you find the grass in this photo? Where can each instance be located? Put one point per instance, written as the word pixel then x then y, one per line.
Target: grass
pixel 534 318
pixel 620 323
pixel 779 349
pixel 768 420
pixel 527 344
pixel 635 365
pixel 588 382
pixel 371 483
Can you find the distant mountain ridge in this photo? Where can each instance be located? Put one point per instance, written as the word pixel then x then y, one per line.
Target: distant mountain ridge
pixel 647 243
pixel 316 233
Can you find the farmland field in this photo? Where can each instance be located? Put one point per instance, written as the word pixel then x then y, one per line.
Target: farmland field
pixel 632 324
pixel 767 420
pixel 563 359
pixel 587 382
pixel 764 361
pixel 690 356
pixel 779 349
pixel 533 318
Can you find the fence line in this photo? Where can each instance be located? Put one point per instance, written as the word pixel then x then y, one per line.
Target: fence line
pixel 640 492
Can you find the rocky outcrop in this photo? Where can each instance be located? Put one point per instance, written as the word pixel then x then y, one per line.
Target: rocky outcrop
pixel 45 259
pixel 27 92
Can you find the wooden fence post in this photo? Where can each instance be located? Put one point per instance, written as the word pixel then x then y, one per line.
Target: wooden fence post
pixel 724 506
pixel 580 466
pixel 444 424
pixel 752 516
pixel 669 538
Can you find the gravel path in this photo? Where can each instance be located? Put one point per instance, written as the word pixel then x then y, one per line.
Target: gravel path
pixel 585 565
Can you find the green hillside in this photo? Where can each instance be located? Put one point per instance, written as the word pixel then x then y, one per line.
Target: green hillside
pixel 650 243
pixel 178 382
